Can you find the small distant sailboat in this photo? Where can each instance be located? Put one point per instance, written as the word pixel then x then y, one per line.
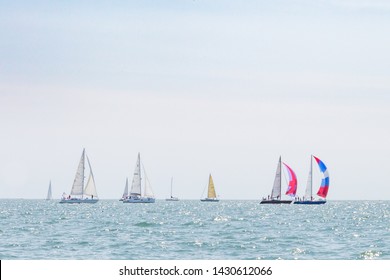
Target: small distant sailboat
pixel 276 194
pixel 79 193
pixel 211 195
pixel 323 190
pixel 49 194
pixel 172 198
pixel 135 191
pixel 125 191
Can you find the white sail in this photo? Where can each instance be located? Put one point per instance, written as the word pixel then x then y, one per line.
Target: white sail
pixel 49 195
pixel 309 185
pixel 211 189
pixel 148 192
pixel 78 183
pixel 277 188
pixel 126 190
pixel 136 184
pixel 90 188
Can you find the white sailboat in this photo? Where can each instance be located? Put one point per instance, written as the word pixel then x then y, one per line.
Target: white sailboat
pixel 172 198
pixel 211 195
pixel 136 190
pixel 276 194
pixel 49 194
pixel 125 191
pixel 79 192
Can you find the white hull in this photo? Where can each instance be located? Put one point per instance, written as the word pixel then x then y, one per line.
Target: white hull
pixel 78 200
pixel 139 199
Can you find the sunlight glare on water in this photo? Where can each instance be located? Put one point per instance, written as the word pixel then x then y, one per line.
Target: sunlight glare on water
pixel 109 229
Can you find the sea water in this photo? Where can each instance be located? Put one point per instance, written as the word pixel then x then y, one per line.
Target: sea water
pixel 243 230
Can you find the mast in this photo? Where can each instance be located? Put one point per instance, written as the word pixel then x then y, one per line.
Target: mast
pixel 171 186
pixel 311 177
pixel 139 172
pixel 309 184
pixel 280 180
pixel 82 185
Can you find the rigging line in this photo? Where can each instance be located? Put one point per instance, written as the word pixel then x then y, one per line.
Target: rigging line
pixel 146 176
pixel 203 192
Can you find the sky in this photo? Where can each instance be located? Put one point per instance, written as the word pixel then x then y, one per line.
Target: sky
pixel 197 87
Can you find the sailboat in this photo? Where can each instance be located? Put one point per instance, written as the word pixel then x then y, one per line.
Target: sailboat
pixel 79 192
pixel 211 195
pixel 323 190
pixel 172 198
pixel 125 191
pixel 276 194
pixel 135 191
pixel 49 195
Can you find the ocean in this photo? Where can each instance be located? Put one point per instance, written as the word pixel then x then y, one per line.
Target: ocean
pixel 190 229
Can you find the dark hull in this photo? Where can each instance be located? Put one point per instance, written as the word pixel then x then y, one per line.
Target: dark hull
pixel 275 201
pixel 209 200
pixel 310 202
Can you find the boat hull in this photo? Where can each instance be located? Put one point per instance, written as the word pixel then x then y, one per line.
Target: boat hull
pixel 78 201
pixel 209 200
pixel 172 199
pixel 310 202
pixel 274 201
pixel 140 200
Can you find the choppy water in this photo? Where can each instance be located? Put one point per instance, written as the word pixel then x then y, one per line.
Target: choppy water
pixel 37 229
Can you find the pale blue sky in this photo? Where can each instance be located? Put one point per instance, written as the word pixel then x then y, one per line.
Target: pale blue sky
pixel 196 87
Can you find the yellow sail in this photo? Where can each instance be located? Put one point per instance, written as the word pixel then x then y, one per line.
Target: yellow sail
pixel 211 190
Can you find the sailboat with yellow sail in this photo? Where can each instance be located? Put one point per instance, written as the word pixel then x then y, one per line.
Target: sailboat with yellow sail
pixel 211 195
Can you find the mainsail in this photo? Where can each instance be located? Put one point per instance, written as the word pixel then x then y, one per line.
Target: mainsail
pixel 211 188
pixel 323 191
pixel 293 182
pixel 78 183
pixel 309 185
pixel 136 184
pixel 277 188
